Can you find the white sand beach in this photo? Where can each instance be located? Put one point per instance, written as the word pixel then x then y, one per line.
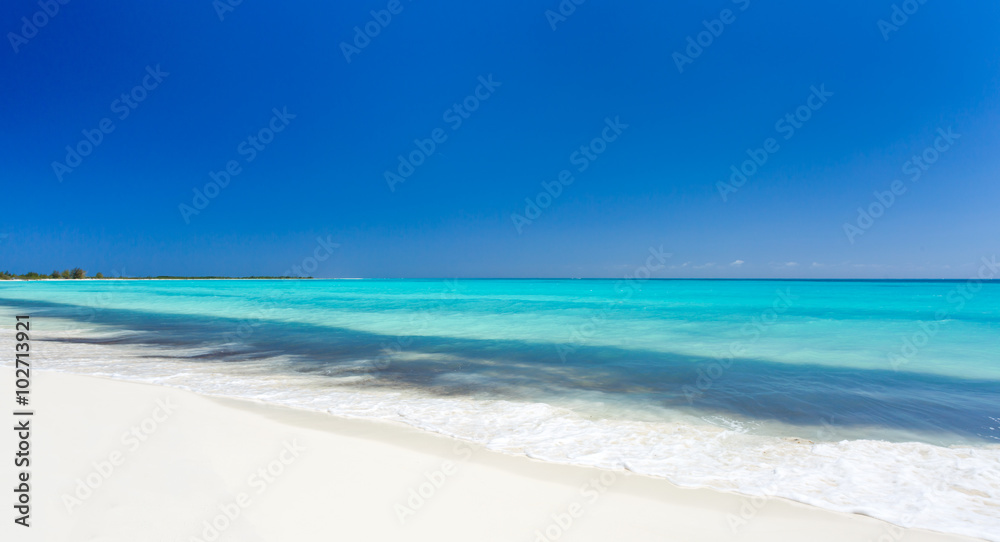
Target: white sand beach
pixel 114 460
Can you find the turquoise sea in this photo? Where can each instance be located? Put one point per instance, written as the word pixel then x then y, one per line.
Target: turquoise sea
pixel 878 397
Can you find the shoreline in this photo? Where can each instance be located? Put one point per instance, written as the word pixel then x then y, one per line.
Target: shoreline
pixel 689 279
pixel 362 474
pixel 94 279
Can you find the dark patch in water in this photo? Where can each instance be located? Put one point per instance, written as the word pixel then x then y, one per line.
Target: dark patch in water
pixel 806 395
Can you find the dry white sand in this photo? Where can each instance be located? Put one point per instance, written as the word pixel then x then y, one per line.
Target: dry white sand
pixel 260 472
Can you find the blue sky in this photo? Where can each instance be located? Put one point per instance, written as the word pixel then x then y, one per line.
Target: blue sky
pixel 605 78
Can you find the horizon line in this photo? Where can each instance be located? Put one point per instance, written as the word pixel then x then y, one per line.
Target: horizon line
pixel 771 279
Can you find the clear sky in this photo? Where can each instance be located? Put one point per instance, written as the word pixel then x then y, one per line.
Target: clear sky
pixel 511 91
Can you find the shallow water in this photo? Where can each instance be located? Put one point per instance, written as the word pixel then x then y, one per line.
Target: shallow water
pixel 873 397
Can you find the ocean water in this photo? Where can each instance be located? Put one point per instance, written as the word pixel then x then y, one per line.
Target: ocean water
pixel 881 397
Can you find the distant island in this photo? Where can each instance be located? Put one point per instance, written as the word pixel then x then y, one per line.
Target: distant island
pixel 77 273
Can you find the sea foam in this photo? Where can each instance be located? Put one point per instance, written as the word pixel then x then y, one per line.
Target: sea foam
pixel 953 489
